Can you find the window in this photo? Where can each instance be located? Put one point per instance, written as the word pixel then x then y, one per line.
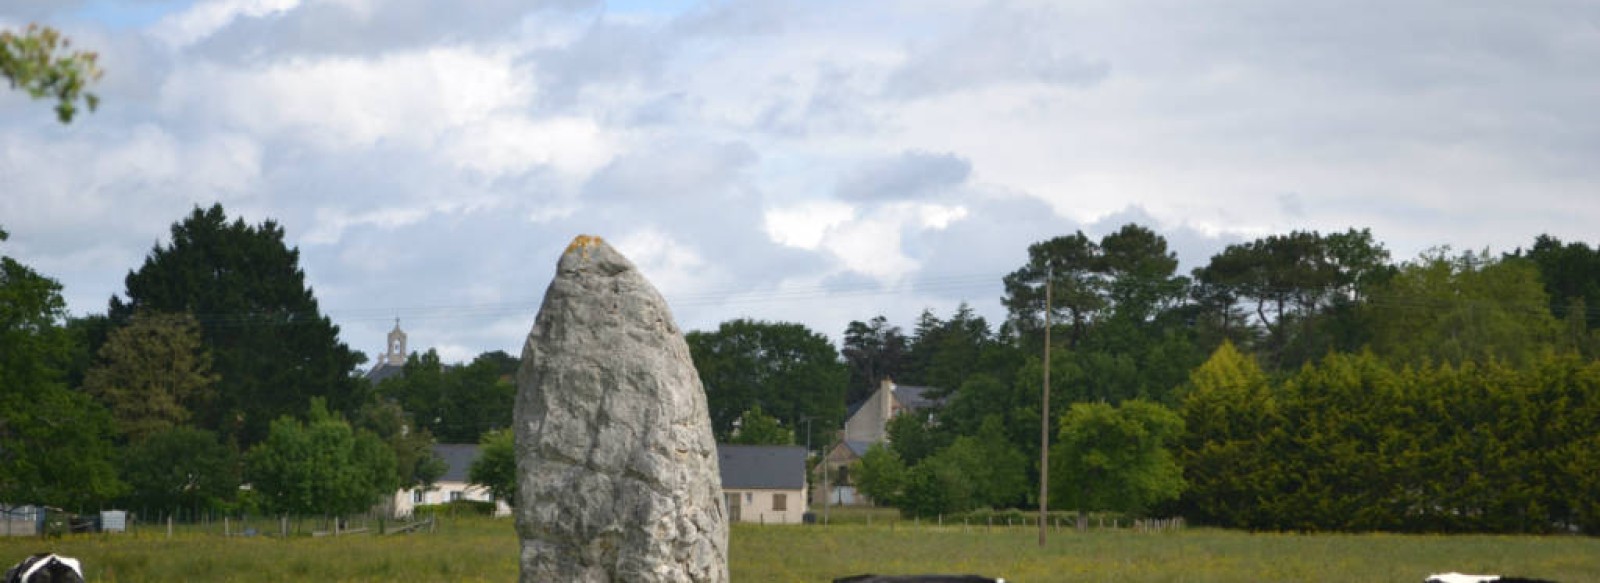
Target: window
pixel 780 502
pixel 455 495
pixel 418 496
pixel 749 498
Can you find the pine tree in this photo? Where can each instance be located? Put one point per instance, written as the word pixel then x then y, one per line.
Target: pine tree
pixel 272 348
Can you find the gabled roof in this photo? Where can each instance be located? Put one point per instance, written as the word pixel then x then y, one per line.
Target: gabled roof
pixel 458 458
pixel 859 448
pixel 384 371
pixel 911 397
pixel 762 467
pixel 850 411
pixel 917 398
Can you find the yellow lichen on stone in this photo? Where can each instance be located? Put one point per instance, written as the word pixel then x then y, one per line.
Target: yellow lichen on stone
pixel 583 243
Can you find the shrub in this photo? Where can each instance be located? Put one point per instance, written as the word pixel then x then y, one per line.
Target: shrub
pixel 457 507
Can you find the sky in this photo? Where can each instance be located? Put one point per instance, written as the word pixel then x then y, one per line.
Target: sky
pixel 808 161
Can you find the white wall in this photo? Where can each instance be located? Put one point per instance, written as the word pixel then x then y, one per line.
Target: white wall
pixel 405 500
pixel 758 506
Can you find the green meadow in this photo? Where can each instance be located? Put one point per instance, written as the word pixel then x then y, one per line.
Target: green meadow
pixel 481 549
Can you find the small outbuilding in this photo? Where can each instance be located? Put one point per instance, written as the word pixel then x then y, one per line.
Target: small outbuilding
pixel 764 483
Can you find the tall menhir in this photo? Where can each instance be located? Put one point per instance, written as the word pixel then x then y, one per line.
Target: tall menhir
pixel 617 466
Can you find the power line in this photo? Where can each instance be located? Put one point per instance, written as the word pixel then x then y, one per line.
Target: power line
pixel 794 295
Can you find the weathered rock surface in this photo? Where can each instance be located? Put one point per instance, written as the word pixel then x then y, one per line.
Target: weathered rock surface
pixel 617 465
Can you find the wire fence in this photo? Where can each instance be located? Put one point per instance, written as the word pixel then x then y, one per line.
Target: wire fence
pixel 37 521
pixel 997 521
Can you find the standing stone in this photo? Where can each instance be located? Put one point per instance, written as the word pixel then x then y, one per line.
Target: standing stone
pixel 617 468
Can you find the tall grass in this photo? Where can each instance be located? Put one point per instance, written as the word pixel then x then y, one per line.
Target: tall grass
pixel 461 549
pixel 1191 556
pixel 483 549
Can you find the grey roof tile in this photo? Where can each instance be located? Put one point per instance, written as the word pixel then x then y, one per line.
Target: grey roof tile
pixel 764 467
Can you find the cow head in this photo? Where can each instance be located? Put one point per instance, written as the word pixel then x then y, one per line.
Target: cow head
pixel 45 568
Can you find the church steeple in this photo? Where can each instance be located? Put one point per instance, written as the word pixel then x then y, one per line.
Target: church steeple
pixel 396 354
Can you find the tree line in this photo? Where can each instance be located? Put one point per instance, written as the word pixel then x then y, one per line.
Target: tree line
pixel 215 368
pixel 1295 381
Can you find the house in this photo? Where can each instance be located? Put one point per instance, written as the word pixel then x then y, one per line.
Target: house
pixel 868 421
pixel 453 485
pixel 393 361
pixel 867 424
pixel 763 483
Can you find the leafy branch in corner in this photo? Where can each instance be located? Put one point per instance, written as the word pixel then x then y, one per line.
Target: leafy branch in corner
pixel 40 62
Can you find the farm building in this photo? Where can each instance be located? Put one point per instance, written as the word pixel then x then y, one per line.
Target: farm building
pixel 764 483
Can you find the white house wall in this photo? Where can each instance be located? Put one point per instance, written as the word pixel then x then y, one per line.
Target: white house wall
pixel 757 506
pixel 405 500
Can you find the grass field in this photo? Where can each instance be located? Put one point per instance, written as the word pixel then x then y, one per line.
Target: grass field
pixel 476 549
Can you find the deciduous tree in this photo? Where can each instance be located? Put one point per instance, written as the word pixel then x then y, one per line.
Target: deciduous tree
pixel 152 373
pixel 416 465
pixel 456 403
pixel 320 467
pixel 1116 458
pixel 39 61
pixel 880 474
pixel 496 466
pixel 758 428
pixel 54 442
pixel 1467 307
pixel 180 467
pixel 790 371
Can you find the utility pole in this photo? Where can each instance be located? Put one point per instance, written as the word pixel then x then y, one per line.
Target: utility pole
pixel 1044 414
pixel 825 493
pixel 806 419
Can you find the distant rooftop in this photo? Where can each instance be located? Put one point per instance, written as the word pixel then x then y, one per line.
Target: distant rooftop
pixel 458 458
pixel 384 371
pixel 762 467
pixel 917 398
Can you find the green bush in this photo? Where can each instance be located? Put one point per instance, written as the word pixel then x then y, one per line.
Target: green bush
pixel 457 508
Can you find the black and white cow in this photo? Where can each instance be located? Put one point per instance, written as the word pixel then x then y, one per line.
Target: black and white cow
pixel 917 579
pixel 46 568
pixel 1464 578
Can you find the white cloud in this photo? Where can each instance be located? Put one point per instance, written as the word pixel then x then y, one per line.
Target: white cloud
pixel 206 18
pixel 331 223
pixel 868 243
pixel 806 225
pixel 513 144
pixel 672 267
pixel 937 217
pixel 338 103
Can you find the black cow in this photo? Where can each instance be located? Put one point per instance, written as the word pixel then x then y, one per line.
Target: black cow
pixel 46 568
pixel 1464 578
pixel 917 579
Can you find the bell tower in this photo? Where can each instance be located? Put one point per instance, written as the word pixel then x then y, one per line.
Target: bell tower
pixel 396 351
